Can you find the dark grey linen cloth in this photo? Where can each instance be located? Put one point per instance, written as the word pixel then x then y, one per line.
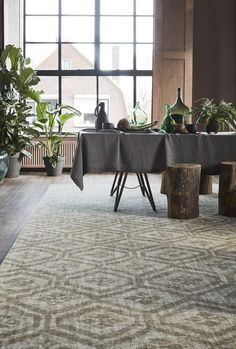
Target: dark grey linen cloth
pixel 207 150
pixel 112 151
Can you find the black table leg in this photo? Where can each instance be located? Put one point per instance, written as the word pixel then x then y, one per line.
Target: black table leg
pixel 120 188
pixel 147 189
pixel 141 183
pixel 114 186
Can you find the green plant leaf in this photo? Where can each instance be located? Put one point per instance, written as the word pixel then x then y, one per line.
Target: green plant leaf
pixel 66 117
pixel 34 95
pixel 41 111
pixel 26 153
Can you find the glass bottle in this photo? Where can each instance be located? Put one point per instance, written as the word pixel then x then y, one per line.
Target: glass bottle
pixel 139 115
pixel 179 109
pixel 167 123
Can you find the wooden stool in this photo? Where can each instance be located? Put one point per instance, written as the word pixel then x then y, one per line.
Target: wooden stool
pixel 183 182
pixel 227 189
pixel 163 183
pixel 205 184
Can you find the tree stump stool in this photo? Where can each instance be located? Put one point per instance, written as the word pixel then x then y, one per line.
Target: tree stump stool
pixel 205 184
pixel 163 183
pixel 183 181
pixel 227 189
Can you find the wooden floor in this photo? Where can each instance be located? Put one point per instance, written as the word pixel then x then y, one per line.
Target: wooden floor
pixel 18 199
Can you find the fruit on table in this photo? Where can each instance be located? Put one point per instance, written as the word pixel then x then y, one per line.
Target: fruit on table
pixel 123 124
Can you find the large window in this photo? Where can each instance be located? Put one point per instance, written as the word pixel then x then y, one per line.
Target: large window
pixel 87 51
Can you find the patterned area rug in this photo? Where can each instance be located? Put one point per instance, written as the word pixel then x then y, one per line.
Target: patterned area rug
pixel 82 276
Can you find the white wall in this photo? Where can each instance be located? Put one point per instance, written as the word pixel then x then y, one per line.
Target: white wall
pixel 13 23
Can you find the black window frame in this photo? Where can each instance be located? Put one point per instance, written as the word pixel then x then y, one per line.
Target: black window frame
pixel 96 72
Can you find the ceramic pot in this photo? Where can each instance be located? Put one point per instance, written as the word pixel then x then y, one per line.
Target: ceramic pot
pixel 50 169
pixel 191 128
pixel 4 163
pixel 14 166
pixel 212 126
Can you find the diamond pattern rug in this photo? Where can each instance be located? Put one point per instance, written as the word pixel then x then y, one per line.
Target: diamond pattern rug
pixel 82 276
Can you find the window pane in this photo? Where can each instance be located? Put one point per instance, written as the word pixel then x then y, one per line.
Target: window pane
pixel 80 92
pixel 49 85
pixel 144 56
pixel 116 29
pixel 78 29
pixel 78 7
pixel 41 7
pixel 117 93
pixel 116 56
pixel 80 55
pixel 43 56
pixel 144 94
pixel 144 7
pixel 116 7
pixel 144 29
pixel 42 28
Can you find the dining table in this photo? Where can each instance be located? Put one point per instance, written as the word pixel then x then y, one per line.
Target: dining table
pixel 112 150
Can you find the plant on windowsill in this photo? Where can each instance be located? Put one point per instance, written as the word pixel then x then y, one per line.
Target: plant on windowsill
pixel 16 81
pixel 214 114
pixel 51 123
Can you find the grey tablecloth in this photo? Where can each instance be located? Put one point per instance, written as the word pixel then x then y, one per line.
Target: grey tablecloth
pixel 110 151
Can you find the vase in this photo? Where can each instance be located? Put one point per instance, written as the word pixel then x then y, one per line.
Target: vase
pixel 180 109
pixel 101 116
pixel 212 126
pixel 139 115
pixel 4 163
pixel 54 170
pixel 14 166
pixel 167 122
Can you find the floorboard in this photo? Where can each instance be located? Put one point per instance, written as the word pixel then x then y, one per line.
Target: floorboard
pixel 18 200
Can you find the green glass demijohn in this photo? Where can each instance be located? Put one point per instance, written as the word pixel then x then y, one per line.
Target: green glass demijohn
pixel 139 115
pixel 179 108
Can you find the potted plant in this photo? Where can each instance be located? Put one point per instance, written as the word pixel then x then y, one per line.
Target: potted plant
pixel 213 114
pixel 16 81
pixel 51 122
pixel 227 114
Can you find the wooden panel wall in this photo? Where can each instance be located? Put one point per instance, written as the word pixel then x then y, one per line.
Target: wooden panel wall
pixel 173 53
pixel 214 46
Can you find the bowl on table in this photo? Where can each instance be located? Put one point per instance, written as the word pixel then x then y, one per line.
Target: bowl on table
pixel 191 128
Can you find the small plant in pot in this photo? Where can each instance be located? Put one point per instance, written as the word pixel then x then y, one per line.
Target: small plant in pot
pixel 214 115
pixel 51 122
pixel 16 86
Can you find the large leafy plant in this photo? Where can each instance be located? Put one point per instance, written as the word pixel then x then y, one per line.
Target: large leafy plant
pixel 223 112
pixel 17 79
pixel 51 122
